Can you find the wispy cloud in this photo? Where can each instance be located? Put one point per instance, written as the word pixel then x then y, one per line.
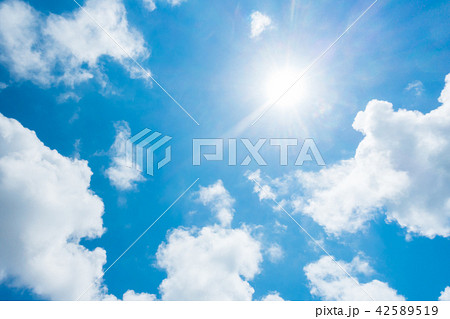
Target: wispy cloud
pixel 150 5
pixel 259 23
pixel 275 253
pixel 68 96
pixel 416 86
pixel 120 175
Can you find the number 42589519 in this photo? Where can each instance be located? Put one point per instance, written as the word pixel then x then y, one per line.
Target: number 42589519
pixel 407 310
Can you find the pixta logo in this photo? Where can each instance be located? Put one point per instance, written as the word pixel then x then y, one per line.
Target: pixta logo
pixel 140 151
pixel 308 151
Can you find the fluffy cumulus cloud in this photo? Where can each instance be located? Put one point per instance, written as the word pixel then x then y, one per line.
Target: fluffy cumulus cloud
pixel 259 23
pixel 151 4
pixel 346 195
pixel 220 201
pixel 53 49
pixel 131 295
pixel 120 175
pixel 46 209
pixel 400 169
pixel 273 296
pixel 212 263
pixel 329 282
pixel 445 295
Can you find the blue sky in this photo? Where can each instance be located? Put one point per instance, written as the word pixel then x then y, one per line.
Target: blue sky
pixel 204 54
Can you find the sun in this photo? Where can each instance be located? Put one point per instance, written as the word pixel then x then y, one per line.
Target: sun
pixel 280 86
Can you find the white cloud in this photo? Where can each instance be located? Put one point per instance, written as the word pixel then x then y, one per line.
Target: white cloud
pixel 68 96
pixel 120 175
pixel 47 207
pixel 445 295
pixel 175 2
pixel 211 263
pixel 150 5
pixel 220 201
pixel 273 296
pixel 275 253
pixel 259 23
pixel 416 86
pixel 131 295
pixel 279 228
pixel 400 168
pixel 3 86
pixel 264 191
pixel 329 282
pixel 345 196
pixel 54 49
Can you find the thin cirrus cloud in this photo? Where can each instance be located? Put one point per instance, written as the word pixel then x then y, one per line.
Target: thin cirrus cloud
pixel 416 87
pixel 400 169
pixel 66 49
pixel 259 23
pixel 328 282
pixel 68 96
pixel 275 253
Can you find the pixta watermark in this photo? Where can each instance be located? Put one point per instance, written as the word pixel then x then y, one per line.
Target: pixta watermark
pixel 141 148
pixel 149 150
pixel 308 152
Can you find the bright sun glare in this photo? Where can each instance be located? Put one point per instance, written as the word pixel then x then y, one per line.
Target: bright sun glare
pixel 279 81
